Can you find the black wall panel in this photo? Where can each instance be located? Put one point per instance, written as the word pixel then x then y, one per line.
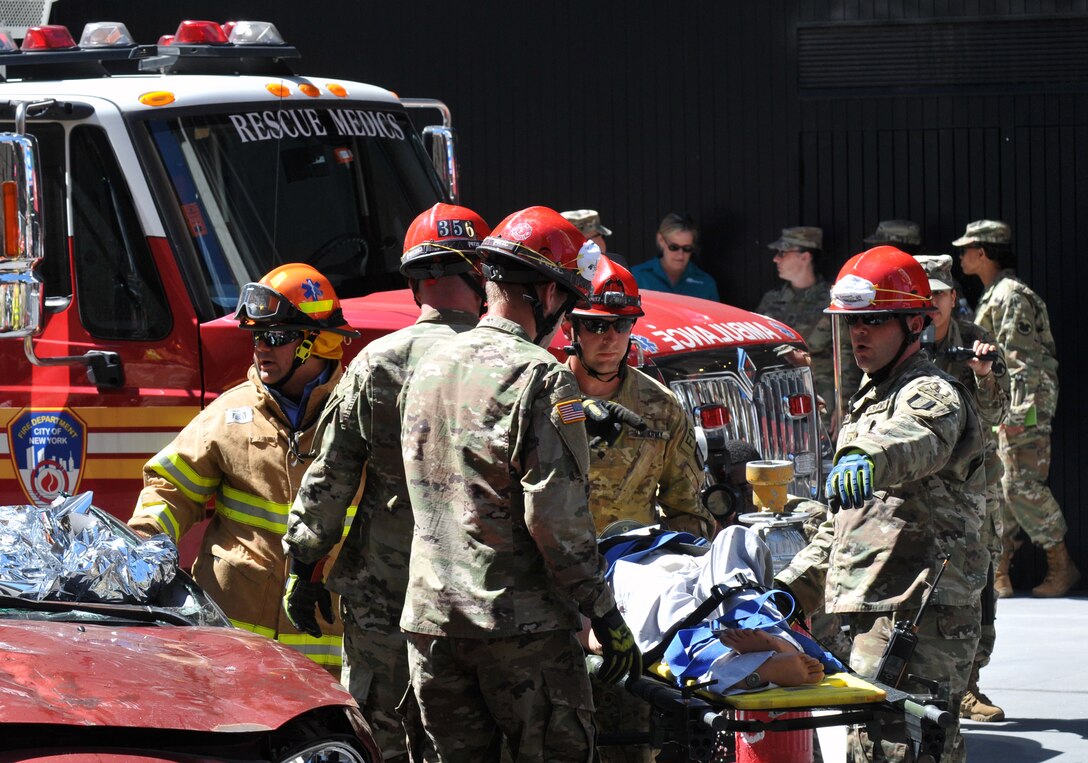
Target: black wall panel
pixel 637 109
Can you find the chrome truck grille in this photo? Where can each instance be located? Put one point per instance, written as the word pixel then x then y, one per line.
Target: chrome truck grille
pixel 759 406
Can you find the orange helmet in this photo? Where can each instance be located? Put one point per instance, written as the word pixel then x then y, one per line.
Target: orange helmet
pixel 615 292
pixel 881 280
pixel 442 241
pixel 539 244
pixel 293 296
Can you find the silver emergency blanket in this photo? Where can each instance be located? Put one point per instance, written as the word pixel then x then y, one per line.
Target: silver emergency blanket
pixel 64 552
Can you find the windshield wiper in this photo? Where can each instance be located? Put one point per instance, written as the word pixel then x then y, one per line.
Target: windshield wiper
pixel 133 612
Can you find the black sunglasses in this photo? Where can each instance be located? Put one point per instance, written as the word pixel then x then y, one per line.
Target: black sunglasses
pixel 276 338
pixel 869 319
pixel 601 325
pixel 689 248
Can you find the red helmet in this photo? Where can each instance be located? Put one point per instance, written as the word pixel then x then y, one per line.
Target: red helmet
pixel 293 296
pixel 442 241
pixel 539 244
pixel 881 280
pixel 615 292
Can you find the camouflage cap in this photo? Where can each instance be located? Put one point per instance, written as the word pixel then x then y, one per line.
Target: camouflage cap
pixel 938 269
pixel 803 238
pixel 896 232
pixel 985 232
pixel 587 221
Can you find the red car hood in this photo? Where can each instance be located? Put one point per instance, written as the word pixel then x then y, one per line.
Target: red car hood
pixel 672 323
pixel 169 677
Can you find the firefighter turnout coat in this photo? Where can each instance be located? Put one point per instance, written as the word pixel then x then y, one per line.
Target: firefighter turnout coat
pixel 241 455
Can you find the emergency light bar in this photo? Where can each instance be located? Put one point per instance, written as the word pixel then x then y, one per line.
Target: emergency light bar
pixel 106 48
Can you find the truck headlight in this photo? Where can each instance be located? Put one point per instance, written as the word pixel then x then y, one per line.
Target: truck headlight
pixel 328 752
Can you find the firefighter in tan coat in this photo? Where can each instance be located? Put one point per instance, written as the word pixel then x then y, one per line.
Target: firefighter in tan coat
pixel 246 452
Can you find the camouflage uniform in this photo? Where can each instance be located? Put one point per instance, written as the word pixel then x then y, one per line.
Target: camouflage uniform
pixel 361 428
pixel 803 311
pixel 504 555
pixel 991 396
pixel 922 433
pixel 1017 316
pixel 658 465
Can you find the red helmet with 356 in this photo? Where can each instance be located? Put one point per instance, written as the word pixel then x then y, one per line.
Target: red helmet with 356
pixel 442 241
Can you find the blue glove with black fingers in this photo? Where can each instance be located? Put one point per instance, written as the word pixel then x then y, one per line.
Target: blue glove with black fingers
pixel 850 483
pixel 304 594
pixel 621 653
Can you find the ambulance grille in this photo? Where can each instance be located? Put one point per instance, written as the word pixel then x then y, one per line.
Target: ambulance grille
pixel 759 414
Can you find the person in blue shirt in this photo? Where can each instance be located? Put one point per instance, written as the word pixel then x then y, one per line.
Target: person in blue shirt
pixel 672 270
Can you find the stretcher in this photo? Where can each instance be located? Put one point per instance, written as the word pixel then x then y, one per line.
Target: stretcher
pixel 694 722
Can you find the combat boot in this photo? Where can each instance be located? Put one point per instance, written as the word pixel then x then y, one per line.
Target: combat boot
pixel 1002 582
pixel 976 706
pixel 1061 573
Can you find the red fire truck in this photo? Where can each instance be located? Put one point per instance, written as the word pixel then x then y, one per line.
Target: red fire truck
pixel 144 184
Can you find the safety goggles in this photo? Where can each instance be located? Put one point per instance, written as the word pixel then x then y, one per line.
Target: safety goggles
pixel 276 338
pixel 601 325
pixel 688 248
pixel 869 319
pixel 262 303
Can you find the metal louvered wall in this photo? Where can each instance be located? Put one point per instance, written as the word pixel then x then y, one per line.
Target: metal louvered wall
pixel 752 116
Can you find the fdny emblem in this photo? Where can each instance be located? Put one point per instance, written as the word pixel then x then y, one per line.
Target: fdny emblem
pixel 49 448
pixel 521 231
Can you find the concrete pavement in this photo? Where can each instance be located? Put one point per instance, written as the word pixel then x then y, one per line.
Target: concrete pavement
pixel 1039 675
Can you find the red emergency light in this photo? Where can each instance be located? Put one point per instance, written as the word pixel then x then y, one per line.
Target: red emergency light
pixel 48 37
pixel 714 416
pixel 799 406
pixel 199 33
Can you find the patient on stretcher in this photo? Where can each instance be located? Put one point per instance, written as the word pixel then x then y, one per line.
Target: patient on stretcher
pixel 657 587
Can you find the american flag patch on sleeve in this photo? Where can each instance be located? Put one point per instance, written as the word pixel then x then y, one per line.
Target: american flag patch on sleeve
pixel 570 411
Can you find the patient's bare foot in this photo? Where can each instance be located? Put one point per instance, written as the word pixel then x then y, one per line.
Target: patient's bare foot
pixel 745 640
pixel 793 669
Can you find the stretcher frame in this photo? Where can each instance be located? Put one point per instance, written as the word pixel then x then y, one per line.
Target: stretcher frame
pixel 687 721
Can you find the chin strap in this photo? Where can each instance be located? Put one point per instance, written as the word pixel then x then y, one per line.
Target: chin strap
pixel 909 337
pixel 546 323
pixel 575 349
pixel 305 348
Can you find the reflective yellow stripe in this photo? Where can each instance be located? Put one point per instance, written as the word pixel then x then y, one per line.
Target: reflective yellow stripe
pixel 258 629
pixel 173 468
pixel 165 518
pixel 326 650
pixel 252 510
pixel 320 306
pixel 349 519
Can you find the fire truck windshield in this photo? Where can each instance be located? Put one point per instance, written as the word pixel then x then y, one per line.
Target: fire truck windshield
pixel 336 188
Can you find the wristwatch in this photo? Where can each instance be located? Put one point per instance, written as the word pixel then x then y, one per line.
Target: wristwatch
pixel 754 681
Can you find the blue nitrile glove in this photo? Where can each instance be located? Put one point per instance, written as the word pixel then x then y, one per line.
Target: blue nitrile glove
pixel 850 482
pixel 304 594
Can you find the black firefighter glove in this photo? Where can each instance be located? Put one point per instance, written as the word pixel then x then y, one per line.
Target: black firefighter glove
pixel 305 593
pixel 605 420
pixel 621 654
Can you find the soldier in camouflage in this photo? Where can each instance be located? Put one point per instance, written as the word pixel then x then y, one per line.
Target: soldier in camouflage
pixel 361 436
pixel 800 303
pixel 908 484
pixel 1017 316
pixel 650 474
pixel 504 555
pixel 988 382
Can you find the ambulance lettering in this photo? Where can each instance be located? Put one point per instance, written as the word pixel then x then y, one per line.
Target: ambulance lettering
pixel 49 448
pixel 690 337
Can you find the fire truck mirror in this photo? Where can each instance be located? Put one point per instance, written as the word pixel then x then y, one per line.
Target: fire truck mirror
pixel 21 293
